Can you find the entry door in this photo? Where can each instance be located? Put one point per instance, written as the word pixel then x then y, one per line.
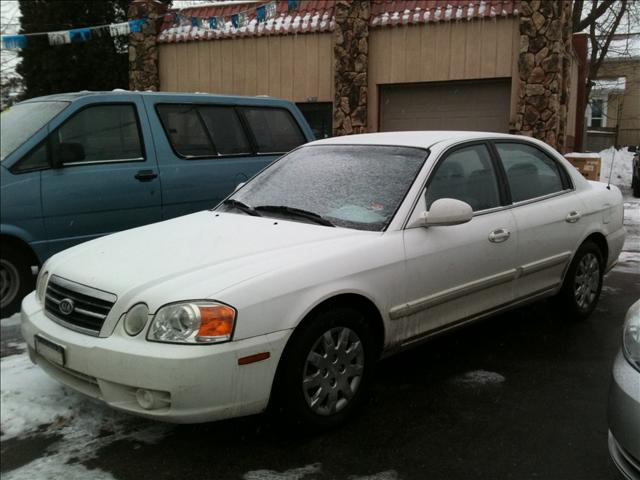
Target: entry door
pixel 108 181
pixel 547 212
pixel 456 272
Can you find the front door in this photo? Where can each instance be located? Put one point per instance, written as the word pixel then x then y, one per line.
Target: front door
pixel 457 272
pixel 108 180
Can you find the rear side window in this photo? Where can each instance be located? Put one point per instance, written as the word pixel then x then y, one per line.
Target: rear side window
pixel 103 133
pixel 274 129
pixel 530 172
pixel 226 130
pixel 186 130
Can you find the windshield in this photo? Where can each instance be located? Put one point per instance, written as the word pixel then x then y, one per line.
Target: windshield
pixel 353 186
pixel 21 121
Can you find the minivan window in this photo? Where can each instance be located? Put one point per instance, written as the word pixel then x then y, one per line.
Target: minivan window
pixel 274 129
pixel 225 129
pixel 530 172
pixel 103 133
pixel 186 130
pixel 21 121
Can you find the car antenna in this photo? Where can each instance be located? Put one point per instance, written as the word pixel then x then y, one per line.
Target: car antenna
pixel 611 168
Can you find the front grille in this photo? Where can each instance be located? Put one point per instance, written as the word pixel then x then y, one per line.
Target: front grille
pixel 77 306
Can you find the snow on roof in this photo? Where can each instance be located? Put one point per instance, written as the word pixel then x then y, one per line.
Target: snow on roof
pixel 609 84
pixel 315 16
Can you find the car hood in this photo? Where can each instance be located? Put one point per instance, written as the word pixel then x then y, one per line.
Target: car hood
pixel 195 256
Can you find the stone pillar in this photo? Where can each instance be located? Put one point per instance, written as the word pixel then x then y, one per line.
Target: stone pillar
pixel 544 67
pixel 143 50
pixel 350 57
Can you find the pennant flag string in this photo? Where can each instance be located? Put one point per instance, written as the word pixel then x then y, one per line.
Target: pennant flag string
pixel 74 35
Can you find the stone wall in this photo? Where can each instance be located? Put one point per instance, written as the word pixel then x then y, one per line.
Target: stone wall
pixel 143 50
pixel 351 56
pixel 544 66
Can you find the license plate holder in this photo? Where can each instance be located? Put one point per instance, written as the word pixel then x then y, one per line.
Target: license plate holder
pixel 50 350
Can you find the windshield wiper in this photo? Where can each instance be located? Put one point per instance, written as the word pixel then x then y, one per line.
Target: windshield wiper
pixel 243 207
pixel 298 212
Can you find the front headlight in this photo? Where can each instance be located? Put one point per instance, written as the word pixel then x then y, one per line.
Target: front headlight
pixel 193 322
pixel 41 284
pixel 631 335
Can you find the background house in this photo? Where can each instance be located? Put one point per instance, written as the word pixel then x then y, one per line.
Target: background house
pixel 493 65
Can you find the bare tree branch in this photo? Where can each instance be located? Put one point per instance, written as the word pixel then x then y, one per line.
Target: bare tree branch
pixel 596 12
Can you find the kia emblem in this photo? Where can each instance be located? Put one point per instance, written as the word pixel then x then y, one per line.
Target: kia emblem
pixel 66 306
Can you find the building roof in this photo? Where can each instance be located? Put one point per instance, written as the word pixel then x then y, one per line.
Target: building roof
pixel 316 16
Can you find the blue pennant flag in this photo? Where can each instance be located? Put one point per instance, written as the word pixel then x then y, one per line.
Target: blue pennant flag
pixel 194 21
pixel 136 25
pixel 235 20
pixel 79 34
pixel 292 4
pixel 175 19
pixel 213 23
pixel 261 13
pixel 14 41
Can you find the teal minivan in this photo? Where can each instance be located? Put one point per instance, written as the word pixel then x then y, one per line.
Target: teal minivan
pixel 77 166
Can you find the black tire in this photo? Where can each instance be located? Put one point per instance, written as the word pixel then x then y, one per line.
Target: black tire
pixel 16 279
pixel 292 399
pixel 635 185
pixel 582 286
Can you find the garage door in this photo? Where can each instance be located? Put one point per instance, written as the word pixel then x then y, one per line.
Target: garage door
pixel 482 105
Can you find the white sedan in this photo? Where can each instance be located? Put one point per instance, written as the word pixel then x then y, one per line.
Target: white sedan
pixel 344 250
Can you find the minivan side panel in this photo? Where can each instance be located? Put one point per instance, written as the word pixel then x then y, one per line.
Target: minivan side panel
pixel 189 185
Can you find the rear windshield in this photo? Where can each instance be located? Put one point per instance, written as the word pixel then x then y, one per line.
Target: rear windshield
pixel 20 122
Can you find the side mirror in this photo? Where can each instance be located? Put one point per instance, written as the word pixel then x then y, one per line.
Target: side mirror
pixel 68 153
pixel 448 211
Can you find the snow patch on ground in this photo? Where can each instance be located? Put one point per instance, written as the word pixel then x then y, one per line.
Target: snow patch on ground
pixel 293 474
pixel 479 378
pixel 386 475
pixel 622 166
pixel 34 403
pixel 11 321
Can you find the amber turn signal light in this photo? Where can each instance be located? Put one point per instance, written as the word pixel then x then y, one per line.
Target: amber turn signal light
pixel 216 321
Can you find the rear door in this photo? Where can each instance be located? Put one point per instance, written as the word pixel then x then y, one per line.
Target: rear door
pixel 457 272
pixel 206 149
pixel 111 183
pixel 547 212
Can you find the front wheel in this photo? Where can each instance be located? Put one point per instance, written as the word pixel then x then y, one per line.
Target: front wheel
pixel 16 279
pixel 583 282
pixel 326 369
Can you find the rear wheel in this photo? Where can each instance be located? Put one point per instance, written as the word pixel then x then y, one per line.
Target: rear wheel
pixel 326 368
pixel 16 279
pixel 583 282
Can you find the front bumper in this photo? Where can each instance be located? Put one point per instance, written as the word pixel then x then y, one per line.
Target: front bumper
pixel 624 418
pixel 190 383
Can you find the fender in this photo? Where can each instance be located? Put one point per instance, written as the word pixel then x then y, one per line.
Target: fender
pixel 39 248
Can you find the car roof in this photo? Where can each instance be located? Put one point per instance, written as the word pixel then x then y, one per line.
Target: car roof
pixel 420 139
pixel 71 96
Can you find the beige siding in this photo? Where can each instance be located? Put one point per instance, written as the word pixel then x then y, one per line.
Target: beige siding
pixel 466 50
pixel 294 67
pixel 626 108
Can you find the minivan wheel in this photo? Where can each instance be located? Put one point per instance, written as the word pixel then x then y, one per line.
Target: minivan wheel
pixel 16 279
pixel 583 282
pixel 326 369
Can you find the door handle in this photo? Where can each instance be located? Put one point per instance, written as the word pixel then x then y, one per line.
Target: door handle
pixel 145 175
pixel 573 217
pixel 499 235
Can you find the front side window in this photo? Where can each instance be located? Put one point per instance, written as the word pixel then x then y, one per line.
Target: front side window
pixel 36 159
pixel 100 133
pixel 468 175
pixel 352 186
pixel 274 129
pixel 530 172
